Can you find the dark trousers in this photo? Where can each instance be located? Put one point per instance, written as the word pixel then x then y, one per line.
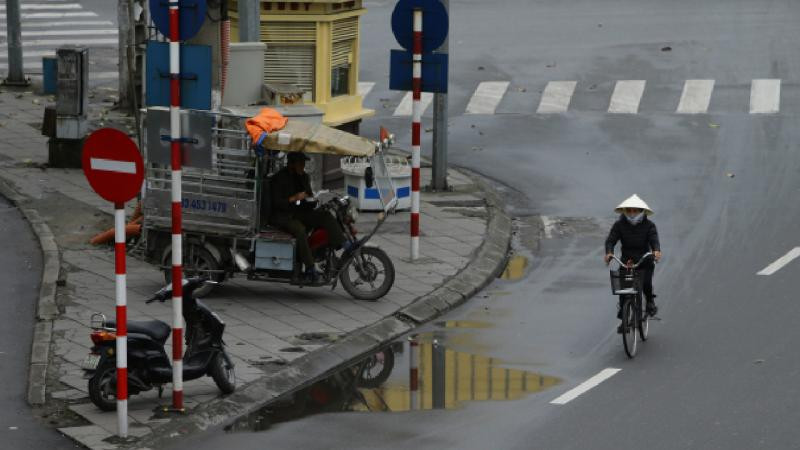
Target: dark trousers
pixel 646 272
pixel 647 281
pixel 299 222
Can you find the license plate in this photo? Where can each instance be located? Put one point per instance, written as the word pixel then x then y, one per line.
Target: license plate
pixel 91 362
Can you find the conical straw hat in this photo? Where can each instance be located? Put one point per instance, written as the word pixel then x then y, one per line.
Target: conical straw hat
pixel 634 202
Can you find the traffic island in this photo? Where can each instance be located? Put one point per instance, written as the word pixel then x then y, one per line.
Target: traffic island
pixel 281 338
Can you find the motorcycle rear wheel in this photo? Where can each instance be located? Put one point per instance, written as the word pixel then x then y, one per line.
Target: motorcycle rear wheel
pixel 197 261
pixel 377 369
pixel 102 386
pixel 373 269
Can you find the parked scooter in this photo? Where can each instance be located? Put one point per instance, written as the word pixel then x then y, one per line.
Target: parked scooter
pixel 148 363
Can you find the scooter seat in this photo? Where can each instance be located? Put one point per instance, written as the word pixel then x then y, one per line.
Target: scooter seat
pixel 156 329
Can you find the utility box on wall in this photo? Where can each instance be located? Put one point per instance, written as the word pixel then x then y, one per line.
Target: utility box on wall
pixel 314 45
pixel 73 92
pixel 244 82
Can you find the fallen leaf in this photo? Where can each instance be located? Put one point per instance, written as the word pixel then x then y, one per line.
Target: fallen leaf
pixel 730 175
pixel 481 68
pixel 758 361
pixel 713 125
pixel 666 49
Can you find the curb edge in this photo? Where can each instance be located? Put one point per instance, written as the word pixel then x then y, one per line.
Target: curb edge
pixel 46 309
pixel 488 262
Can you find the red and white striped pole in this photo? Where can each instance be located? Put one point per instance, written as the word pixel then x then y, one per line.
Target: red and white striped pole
pixel 413 364
pixel 122 320
pixel 416 113
pixel 177 246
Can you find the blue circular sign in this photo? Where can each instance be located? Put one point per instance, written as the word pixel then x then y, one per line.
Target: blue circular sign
pixel 435 24
pixel 191 15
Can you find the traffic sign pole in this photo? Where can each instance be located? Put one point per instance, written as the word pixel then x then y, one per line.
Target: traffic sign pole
pixel 177 246
pixel 416 112
pixel 122 321
pixel 413 373
pixel 439 150
pixel 114 168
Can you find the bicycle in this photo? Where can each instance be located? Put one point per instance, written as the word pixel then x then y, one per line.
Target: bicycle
pixel 626 282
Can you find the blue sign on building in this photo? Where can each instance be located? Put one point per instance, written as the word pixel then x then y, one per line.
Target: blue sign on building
pixel 434 71
pixel 195 75
pixel 435 23
pixel 191 15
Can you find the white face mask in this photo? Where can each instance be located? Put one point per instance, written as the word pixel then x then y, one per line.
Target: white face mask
pixel 634 220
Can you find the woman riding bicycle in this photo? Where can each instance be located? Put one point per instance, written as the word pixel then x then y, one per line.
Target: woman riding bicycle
pixel 638 236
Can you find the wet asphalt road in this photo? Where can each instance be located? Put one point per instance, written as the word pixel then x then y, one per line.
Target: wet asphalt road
pixel 721 367
pixel 21 261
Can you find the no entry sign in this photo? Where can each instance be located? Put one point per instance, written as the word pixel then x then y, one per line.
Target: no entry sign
pixel 113 165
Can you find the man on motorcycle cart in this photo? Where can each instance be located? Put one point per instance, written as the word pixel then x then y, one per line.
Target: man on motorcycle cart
pixel 639 236
pixel 289 189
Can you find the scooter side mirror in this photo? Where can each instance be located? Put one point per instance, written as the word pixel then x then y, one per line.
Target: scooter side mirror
pixel 369 177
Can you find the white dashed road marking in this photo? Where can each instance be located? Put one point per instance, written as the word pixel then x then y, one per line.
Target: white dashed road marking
pixel 364 88
pixel 404 108
pixel 696 97
pixel 556 97
pixel 585 386
pixel 765 97
pixel 626 97
pixel 781 262
pixel 487 97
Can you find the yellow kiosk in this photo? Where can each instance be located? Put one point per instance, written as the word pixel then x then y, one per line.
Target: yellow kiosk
pixel 313 48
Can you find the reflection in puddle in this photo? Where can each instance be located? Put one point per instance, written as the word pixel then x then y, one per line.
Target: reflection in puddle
pixel 515 269
pixel 404 377
pixel 456 377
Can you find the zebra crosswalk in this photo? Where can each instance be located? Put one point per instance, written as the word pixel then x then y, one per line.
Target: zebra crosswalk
pixel 556 97
pixel 765 97
pixel 626 97
pixel 47 25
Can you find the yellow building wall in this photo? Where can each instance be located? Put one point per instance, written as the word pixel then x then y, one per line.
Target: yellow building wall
pixel 337 110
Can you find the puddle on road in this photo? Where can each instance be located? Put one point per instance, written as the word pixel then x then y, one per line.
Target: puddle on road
pixel 446 379
pixel 515 269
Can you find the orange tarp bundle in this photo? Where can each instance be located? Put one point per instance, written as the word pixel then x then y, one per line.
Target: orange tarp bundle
pixel 268 120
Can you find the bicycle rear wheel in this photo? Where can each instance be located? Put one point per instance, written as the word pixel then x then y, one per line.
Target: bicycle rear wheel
pixel 644 319
pixel 629 338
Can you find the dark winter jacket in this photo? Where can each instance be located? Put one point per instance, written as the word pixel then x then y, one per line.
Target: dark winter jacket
pixel 636 239
pixel 283 185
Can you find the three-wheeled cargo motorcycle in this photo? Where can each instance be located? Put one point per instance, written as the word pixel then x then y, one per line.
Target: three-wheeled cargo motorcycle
pixel 225 205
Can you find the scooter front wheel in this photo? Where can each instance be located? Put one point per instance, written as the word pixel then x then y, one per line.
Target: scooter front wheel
pixel 223 376
pixel 103 386
pixel 368 275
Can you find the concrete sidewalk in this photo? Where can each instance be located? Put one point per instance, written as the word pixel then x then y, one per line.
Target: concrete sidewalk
pixel 271 328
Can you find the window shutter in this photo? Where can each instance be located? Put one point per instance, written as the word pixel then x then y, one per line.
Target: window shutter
pixel 289 57
pixel 344 37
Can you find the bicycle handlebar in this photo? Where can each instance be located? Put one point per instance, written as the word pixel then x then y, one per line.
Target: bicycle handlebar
pixel 644 257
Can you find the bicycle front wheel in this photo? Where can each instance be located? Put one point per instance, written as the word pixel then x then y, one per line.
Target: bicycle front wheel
pixel 644 320
pixel 629 338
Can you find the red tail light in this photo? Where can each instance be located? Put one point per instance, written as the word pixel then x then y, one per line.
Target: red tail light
pixel 100 336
